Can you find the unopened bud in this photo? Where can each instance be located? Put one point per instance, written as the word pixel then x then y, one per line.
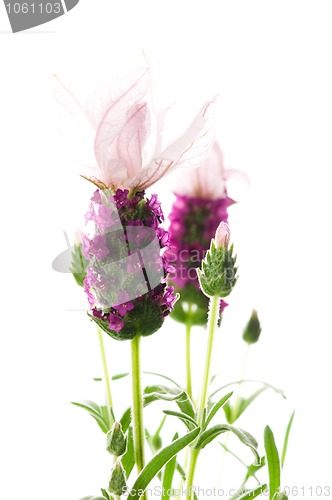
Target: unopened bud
pixel 116 443
pixel 223 235
pixel 117 483
pixel 253 329
pixel 218 274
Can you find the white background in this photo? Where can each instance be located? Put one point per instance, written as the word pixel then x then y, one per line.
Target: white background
pixel 270 63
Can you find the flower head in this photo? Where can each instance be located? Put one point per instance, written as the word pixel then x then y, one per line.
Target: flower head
pixel 127 264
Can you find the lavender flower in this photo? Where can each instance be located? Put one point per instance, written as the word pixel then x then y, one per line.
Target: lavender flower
pixel 125 246
pixel 126 275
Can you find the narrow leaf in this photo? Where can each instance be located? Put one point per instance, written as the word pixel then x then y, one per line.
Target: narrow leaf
pixel 78 264
pixel 237 382
pixel 250 493
pixel 273 461
pixel 161 393
pixel 247 439
pixel 181 471
pixel 216 407
pixel 188 421
pixel 168 475
pixel 158 461
pixel 118 376
pixel 284 448
pixel 128 459
pixel 245 402
pixel 97 412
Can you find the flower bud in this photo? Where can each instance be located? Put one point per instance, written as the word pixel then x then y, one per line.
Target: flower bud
pixel 253 329
pixel 223 235
pixel 116 443
pixel 117 482
pixel 218 274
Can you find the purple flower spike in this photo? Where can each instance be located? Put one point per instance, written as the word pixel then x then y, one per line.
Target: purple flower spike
pixel 128 265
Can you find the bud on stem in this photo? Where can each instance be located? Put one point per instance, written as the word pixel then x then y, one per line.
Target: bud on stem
pixel 117 482
pixel 116 443
pixel 253 329
pixel 218 274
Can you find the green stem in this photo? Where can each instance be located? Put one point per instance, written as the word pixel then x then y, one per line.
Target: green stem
pixel 137 407
pixel 212 326
pixel 191 472
pixel 188 354
pixel 108 392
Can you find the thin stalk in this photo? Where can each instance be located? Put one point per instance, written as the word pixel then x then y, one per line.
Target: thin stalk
pixel 108 393
pixel 212 326
pixel 137 405
pixel 237 400
pixel 188 354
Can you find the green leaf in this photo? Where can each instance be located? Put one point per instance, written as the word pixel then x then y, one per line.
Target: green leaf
pixel 158 462
pixel 168 475
pixel 125 419
pixel 215 408
pixel 251 469
pixel 250 493
pixel 164 377
pixel 105 493
pixel 237 382
pixel 128 459
pixel 280 496
pixel 284 448
pixel 122 375
pixel 181 471
pixel 161 393
pixel 78 264
pixel 207 436
pixel 188 421
pixel 273 461
pixel 118 376
pixel 245 402
pixel 99 413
